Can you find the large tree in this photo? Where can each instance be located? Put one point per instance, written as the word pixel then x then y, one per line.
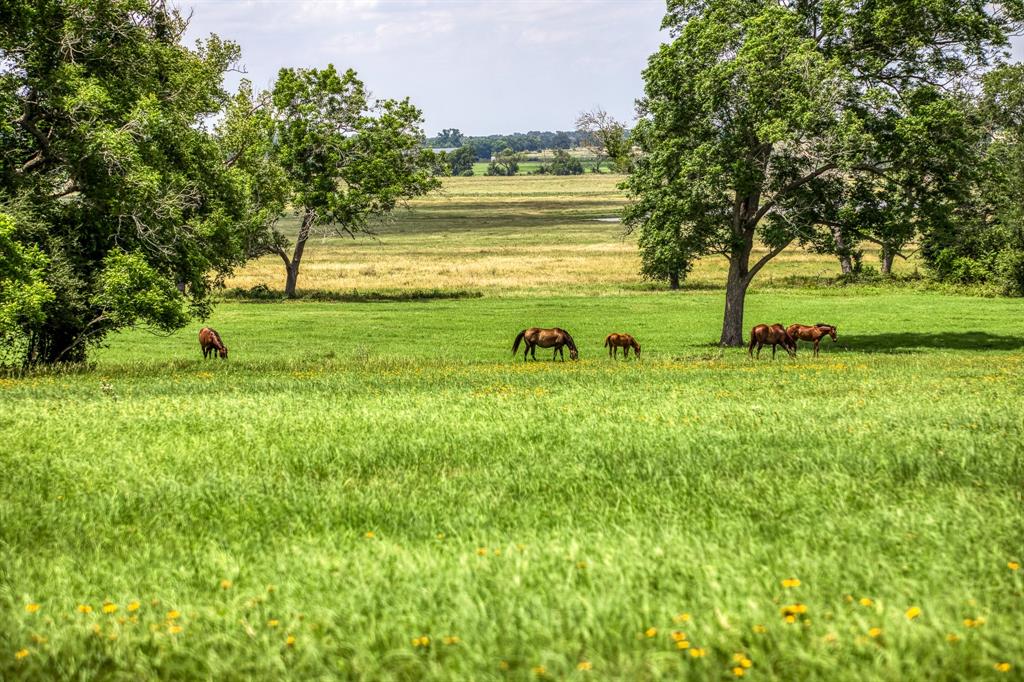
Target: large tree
pixel 773 121
pixel 348 160
pixel 119 203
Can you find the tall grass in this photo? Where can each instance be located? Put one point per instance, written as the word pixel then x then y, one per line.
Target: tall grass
pixel 379 491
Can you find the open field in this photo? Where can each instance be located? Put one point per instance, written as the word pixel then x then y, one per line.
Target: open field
pixel 498 235
pixel 379 491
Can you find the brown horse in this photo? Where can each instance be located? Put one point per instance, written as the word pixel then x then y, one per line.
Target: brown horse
pixel 776 335
pixel 801 332
pixel 210 342
pixel 613 342
pixel 546 338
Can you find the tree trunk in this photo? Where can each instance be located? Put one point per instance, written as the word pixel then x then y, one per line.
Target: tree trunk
pixel 842 250
pixel 735 296
pixel 291 267
pixel 888 254
pixel 673 280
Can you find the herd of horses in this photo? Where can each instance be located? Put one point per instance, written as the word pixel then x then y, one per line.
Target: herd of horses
pixel 537 337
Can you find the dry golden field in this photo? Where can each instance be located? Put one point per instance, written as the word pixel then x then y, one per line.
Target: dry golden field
pixel 498 235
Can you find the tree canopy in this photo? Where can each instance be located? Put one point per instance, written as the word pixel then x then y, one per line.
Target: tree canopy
pixel 782 121
pixel 119 204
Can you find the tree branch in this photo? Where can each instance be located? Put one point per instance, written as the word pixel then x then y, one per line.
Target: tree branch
pixel 765 258
pixel 796 184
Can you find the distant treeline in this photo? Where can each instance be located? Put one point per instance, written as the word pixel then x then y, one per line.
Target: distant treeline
pixel 486 146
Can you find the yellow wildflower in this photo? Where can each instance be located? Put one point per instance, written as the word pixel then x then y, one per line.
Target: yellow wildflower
pixel 1013 565
pixel 681 618
pixel 225 584
pixel 369 535
pixel 109 608
pixel 503 665
pixel 84 608
pixel 440 536
pixel 39 639
pixel 875 632
pixel 866 601
pixel 497 552
pixel 96 628
pixel 952 638
pixel 790 618
pixel 273 623
pixel 738 671
pixel 651 632
pixel 973 622
pixel 539 670
pixel 682 644
pixel 760 629
pixel 112 636
pixel 289 640
pixel 791 582
pixel 21 653
pixel 32 608
pixel 481 551
pixel 698 652
pixel 133 606
pixel 584 665
pixel 1003 667
pixel 174 628
pixel 581 565
pixel 678 636
pixel 451 640
pixel 913 612
pixel 423 641
pixel 173 615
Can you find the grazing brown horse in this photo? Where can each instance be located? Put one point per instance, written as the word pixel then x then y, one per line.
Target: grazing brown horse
pixel 776 335
pixel 210 342
pixel 546 338
pixel 801 332
pixel 613 342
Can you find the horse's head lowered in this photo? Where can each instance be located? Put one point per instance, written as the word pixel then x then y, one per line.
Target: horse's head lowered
pixel 636 347
pixel 223 351
pixel 828 329
pixel 573 353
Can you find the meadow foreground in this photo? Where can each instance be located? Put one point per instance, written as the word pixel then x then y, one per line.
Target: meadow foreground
pixel 380 491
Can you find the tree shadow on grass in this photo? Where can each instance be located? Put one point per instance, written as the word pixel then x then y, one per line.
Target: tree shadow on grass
pixel 913 342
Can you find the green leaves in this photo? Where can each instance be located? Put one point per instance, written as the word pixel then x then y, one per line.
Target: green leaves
pixel 130 291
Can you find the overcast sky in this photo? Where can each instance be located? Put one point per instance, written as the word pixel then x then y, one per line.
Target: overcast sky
pixel 483 66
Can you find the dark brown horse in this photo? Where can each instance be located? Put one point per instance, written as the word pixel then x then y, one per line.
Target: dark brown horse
pixel 776 335
pixel 210 342
pixel 546 338
pixel 801 332
pixel 613 342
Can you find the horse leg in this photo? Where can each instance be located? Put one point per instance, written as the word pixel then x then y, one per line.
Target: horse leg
pixel 759 344
pixel 816 342
pixel 625 353
pixel 773 351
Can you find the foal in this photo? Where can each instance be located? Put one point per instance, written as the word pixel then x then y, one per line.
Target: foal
pixel 613 342
pixel 801 332
pixel 210 342
pixel 776 335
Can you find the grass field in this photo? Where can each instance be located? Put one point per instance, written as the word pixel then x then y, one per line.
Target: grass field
pixel 379 491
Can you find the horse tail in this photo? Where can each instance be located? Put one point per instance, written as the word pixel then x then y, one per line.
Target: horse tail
pixel 607 340
pixel 519 338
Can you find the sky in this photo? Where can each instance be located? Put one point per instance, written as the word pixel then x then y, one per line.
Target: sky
pixel 485 67
pixel 482 66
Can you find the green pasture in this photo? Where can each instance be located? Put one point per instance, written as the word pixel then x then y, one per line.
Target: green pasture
pixel 380 491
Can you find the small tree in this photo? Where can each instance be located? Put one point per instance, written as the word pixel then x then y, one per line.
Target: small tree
pixel 565 163
pixel 461 160
pixel 348 160
pixel 606 138
pixel 505 162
